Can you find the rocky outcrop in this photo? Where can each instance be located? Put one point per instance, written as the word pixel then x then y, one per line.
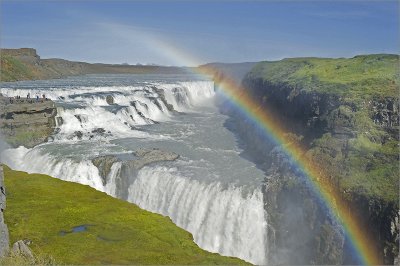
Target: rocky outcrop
pixel 109 99
pixel 26 122
pixel 130 165
pixel 4 239
pixel 104 164
pixel 21 249
pixel 385 112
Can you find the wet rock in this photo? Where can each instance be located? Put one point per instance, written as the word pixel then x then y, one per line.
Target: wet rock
pixel 104 164
pixel 110 99
pixel 148 156
pixel 60 121
pixel 81 118
pixel 99 130
pixel 161 93
pixel 78 134
pixel 130 165
pixel 25 123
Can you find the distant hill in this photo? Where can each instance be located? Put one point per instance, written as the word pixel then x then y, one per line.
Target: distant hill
pixel 236 71
pixel 26 64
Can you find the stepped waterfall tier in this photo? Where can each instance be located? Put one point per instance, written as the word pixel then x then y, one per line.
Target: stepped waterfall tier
pixel 158 141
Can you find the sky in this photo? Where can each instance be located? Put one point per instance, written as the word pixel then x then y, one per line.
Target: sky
pixel 196 32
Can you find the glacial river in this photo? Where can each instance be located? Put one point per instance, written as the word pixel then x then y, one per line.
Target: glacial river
pixel 211 191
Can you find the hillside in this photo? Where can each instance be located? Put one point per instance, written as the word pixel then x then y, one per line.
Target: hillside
pixel 362 76
pixel 75 224
pixel 26 64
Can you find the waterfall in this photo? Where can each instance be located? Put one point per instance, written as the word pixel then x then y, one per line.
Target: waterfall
pixel 223 217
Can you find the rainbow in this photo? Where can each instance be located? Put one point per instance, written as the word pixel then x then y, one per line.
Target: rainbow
pixel 361 243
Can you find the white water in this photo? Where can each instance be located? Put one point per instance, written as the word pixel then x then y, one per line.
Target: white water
pixel 221 219
pixel 210 191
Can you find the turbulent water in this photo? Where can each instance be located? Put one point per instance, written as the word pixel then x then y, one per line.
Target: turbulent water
pixel 210 190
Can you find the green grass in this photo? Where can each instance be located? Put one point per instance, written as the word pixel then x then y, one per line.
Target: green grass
pixel 361 76
pixel 368 167
pixel 39 207
pixel 13 69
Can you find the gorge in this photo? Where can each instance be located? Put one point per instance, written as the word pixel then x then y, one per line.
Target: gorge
pixel 173 145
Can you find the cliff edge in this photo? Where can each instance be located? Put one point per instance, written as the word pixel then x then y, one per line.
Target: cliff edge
pixel 78 225
pixel 345 112
pixel 26 121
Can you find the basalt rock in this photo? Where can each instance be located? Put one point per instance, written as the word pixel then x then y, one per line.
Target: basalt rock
pixel 26 122
pixel 4 238
pixel 110 99
pixel 104 164
pixel 130 165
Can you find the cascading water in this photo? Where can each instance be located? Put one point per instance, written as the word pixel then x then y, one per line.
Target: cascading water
pixel 221 219
pixel 210 190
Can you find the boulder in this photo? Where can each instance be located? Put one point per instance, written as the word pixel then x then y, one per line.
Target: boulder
pixel 20 248
pixel 110 99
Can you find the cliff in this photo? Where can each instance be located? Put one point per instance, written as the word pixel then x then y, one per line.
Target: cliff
pixel 77 225
pixel 26 122
pixel 26 64
pixel 345 112
pixel 4 240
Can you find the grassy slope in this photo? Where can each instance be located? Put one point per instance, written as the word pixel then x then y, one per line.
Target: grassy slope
pixel 39 207
pixel 361 76
pixel 371 164
pixel 13 69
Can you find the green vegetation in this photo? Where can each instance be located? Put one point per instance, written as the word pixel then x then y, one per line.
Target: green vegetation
pixel 13 69
pixel 45 210
pixel 363 166
pixel 360 154
pixel 362 76
pixel 19 259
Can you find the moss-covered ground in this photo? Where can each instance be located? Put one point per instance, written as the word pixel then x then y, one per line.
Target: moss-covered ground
pixel 45 210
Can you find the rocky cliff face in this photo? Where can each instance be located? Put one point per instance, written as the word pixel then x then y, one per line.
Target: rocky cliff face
pixel 4 239
pixel 26 122
pixel 130 165
pixel 348 122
